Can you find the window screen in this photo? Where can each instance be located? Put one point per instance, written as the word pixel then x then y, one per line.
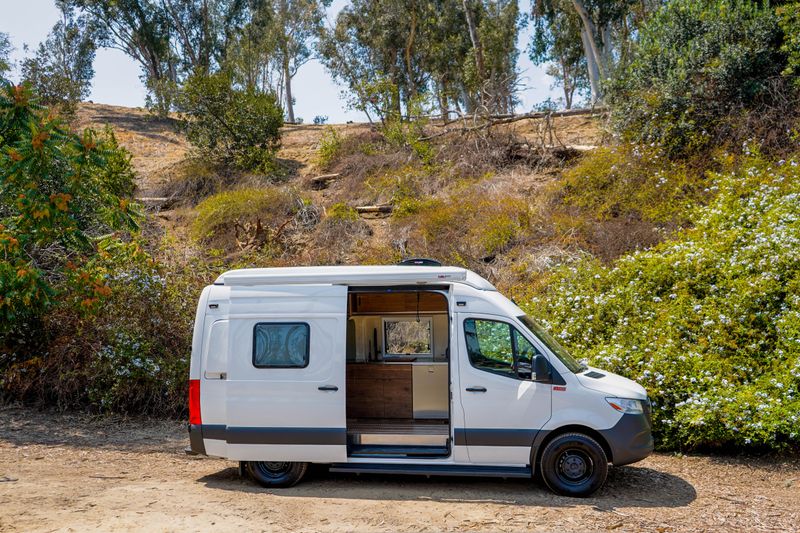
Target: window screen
pixel 280 345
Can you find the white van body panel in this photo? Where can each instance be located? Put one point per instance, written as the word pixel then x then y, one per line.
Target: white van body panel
pixel 299 414
pixel 613 385
pixel 352 276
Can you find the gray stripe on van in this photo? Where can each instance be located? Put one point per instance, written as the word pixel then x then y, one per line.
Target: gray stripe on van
pixel 282 435
pixel 494 437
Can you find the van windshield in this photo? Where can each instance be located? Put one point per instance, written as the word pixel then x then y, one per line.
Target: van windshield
pixel 570 362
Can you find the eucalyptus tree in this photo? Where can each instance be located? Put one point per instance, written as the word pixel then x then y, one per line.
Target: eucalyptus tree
pixel 61 70
pixel 293 28
pixel 5 53
pixel 556 41
pixel 140 29
pixel 607 29
pixel 394 55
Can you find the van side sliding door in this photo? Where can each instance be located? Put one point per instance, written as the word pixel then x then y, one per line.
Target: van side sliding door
pixel 286 374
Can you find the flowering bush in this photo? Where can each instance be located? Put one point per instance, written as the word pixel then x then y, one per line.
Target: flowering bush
pixel 708 321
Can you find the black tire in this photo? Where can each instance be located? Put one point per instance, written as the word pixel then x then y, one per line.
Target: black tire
pixel 274 474
pixel 574 464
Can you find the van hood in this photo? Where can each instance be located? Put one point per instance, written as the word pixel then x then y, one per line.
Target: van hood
pixel 611 384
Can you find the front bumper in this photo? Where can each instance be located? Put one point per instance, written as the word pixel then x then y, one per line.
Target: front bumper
pixel 630 440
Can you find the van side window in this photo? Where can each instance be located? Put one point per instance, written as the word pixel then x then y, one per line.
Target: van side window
pixel 498 347
pixel 281 345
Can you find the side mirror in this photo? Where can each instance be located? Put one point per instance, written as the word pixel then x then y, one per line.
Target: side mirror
pixel 524 371
pixel 541 369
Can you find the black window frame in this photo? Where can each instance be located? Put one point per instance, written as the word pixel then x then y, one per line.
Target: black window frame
pixel 308 344
pixel 514 349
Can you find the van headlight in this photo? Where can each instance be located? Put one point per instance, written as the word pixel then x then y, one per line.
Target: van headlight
pixel 626 405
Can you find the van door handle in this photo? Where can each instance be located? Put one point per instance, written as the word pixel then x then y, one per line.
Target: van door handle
pixel 476 389
pixel 333 388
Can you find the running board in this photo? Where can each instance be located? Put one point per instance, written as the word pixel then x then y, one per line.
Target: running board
pixel 433 470
pixel 397 451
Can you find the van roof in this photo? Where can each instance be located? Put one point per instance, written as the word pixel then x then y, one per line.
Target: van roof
pixel 354 275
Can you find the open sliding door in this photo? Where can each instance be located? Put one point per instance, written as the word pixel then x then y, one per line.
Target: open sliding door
pixel 286 374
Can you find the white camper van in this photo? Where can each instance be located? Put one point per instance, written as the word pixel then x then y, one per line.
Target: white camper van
pixel 408 369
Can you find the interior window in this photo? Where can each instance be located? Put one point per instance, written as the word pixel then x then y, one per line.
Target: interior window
pixel 280 345
pixel 498 347
pixel 408 336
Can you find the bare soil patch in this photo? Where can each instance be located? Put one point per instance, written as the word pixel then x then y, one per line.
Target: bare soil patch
pixel 73 473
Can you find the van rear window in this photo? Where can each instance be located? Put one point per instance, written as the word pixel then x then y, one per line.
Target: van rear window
pixel 281 345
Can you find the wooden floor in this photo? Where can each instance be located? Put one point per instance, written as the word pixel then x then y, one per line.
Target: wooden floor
pixel 397 431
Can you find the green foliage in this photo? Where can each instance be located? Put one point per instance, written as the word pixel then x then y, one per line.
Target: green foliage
pixel 342 211
pixel 61 71
pixel 5 53
pixel 708 321
pixel 628 180
pixel 223 217
pixel 556 40
pixel 87 319
pixel 449 231
pixel 61 195
pixel 329 147
pixel 390 53
pixel 697 65
pixel 789 20
pixel 231 126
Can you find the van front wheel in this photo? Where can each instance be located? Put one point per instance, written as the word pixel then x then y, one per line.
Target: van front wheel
pixel 276 474
pixel 574 464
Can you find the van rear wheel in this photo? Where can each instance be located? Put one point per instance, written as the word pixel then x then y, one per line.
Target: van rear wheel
pixel 574 464
pixel 275 473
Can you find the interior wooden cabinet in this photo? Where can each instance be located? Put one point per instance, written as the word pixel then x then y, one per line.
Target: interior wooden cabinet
pixel 383 388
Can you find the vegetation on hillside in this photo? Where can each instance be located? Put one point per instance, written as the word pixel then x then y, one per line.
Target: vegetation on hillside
pixel 667 255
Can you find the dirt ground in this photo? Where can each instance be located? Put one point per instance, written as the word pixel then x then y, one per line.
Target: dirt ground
pixel 72 473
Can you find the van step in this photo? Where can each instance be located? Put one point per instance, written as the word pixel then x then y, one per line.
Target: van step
pixel 397 451
pixel 433 470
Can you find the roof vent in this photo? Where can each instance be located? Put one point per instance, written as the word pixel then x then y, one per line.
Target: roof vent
pixel 420 261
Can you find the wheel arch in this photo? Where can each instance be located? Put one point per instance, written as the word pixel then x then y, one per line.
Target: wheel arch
pixel 548 435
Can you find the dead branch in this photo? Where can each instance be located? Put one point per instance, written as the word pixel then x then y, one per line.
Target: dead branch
pixel 503 119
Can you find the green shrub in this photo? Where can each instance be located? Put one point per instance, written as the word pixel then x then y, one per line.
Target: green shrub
pixel 632 180
pixel 697 67
pixel 60 191
pixel 446 230
pixel 708 322
pixel 329 147
pixel 234 127
pixel 342 211
pixel 228 219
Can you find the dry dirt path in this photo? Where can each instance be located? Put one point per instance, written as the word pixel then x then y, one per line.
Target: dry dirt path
pixel 69 473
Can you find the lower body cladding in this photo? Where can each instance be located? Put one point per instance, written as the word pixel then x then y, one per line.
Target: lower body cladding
pixel 628 441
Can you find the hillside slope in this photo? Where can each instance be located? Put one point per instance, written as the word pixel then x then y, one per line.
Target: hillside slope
pixel 504 173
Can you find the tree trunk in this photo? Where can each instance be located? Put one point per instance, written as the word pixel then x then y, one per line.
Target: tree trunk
pixel 589 36
pixel 591 66
pixel 566 81
pixel 476 41
pixel 287 78
pixel 412 85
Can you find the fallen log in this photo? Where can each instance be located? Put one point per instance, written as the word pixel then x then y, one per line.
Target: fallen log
pixel 321 182
pixel 374 209
pixel 508 119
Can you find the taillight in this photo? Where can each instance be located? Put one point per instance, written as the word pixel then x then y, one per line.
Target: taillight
pixel 194 402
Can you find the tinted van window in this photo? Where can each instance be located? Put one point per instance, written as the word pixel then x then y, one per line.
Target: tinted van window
pixel 280 345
